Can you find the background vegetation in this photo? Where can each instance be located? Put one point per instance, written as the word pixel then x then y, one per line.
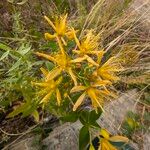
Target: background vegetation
pixel 22 29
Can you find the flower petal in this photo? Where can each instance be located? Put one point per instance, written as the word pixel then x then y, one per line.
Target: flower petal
pixel 118 138
pixel 90 60
pixel 58 96
pixel 49 36
pixel 105 145
pixel 100 56
pixel 79 101
pixel 63 40
pixel 53 73
pixel 70 33
pixel 41 84
pixel 104 133
pixel 44 71
pixel 50 22
pixel 46 56
pixel 77 89
pixel 72 76
pixel 60 45
pixel 46 98
pixel 94 98
pixel 77 60
pixel 101 83
pixel 76 39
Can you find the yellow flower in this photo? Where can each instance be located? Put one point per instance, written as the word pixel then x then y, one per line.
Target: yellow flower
pixel 48 88
pixel 88 46
pixel 60 27
pixel 63 63
pixel 106 139
pixel 96 95
pixel 107 71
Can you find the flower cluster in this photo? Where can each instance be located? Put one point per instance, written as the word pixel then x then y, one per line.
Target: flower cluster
pixel 85 66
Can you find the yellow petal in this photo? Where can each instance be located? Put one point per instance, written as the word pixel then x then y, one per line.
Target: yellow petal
pixel 63 22
pixel 46 56
pixel 59 80
pixel 60 45
pixel 44 71
pixel 63 40
pixel 100 56
pixel 42 92
pixel 49 36
pixel 105 74
pixel 102 83
pixel 105 145
pixel 35 114
pixel 58 96
pixel 72 76
pixel 42 84
pixel 70 34
pixel 94 52
pixel 91 147
pixel 77 60
pixel 119 139
pixel 90 60
pixel 77 89
pixel 105 93
pixel 104 133
pixel 50 22
pixel 76 39
pixel 53 73
pixel 79 101
pixel 92 94
pixel 77 52
pixel 46 98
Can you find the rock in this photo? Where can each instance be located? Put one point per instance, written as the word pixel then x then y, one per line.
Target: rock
pixel 146 141
pixel 62 138
pixel 26 144
pixel 115 112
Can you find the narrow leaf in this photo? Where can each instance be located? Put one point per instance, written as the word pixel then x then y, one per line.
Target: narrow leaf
pixel 5 47
pixel 84 138
pixel 4 55
pixel 15 65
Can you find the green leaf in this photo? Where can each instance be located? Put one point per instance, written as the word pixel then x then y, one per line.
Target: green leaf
pixel 24 50
pixel 35 114
pixel 5 47
pixel 84 117
pixel 94 115
pixel 70 117
pixel 17 111
pixel 4 55
pixel 50 45
pixel 49 65
pixel 89 118
pixel 84 138
pixel 118 144
pixel 127 147
pixel 15 65
pixel 94 124
pixel 127 2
